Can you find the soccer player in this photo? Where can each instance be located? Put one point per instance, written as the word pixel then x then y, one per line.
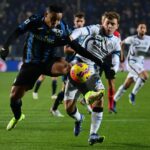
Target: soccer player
pixel 44 33
pixel 100 42
pixel 110 67
pixel 139 46
pixel 38 84
pixel 79 21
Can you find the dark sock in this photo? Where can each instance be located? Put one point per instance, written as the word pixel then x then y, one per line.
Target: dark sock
pixel 97 109
pixel 54 86
pixel 58 100
pixel 37 86
pixel 72 113
pixel 16 108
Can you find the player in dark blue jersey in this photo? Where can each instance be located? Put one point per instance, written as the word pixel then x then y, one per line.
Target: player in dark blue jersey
pixel 44 32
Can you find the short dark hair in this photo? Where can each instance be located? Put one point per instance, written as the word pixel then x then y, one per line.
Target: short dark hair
pixel 111 15
pixel 55 8
pixel 141 22
pixel 79 15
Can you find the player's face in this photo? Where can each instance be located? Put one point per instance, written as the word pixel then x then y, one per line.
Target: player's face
pixel 52 19
pixel 110 25
pixel 142 29
pixel 102 19
pixel 79 22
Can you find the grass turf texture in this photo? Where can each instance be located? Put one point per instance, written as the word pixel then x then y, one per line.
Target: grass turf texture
pixel 129 129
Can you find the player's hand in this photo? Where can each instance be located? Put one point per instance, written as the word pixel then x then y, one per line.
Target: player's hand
pixel 4 53
pixel 122 67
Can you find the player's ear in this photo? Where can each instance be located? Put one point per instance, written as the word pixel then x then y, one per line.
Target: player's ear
pixel 45 14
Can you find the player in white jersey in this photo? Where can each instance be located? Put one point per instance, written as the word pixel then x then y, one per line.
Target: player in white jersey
pixel 79 21
pixel 110 67
pixel 100 42
pixel 139 45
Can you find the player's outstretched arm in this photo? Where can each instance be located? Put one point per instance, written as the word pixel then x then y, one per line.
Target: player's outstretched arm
pixel 27 25
pixel 4 51
pixel 83 52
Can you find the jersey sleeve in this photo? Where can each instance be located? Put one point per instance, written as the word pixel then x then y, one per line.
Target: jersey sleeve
pixel 115 62
pixel 128 40
pixel 21 29
pixel 117 47
pixel 88 30
pixel 28 24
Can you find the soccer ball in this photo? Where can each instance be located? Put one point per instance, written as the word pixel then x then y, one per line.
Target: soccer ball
pixel 80 72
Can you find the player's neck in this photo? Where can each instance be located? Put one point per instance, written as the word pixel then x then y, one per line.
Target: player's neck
pixel 140 36
pixel 103 32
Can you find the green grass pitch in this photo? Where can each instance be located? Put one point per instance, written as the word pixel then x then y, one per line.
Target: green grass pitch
pixel 129 129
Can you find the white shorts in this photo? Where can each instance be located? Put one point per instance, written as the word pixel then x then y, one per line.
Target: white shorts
pixel 72 92
pixel 131 75
pixel 135 67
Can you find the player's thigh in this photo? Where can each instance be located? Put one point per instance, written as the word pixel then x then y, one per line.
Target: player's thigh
pixel 135 67
pixel 132 77
pixel 17 92
pixel 27 76
pixel 144 74
pixel 94 83
pixel 109 73
pixel 71 94
pixel 60 67
pixel 98 103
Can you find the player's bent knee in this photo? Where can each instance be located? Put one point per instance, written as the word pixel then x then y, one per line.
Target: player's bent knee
pixel 146 77
pixel 66 68
pixel 17 92
pixel 69 106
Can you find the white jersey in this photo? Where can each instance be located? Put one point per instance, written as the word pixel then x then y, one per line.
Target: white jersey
pixel 138 47
pixel 96 42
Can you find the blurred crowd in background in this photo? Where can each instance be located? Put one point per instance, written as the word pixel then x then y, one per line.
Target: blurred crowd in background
pixel 13 12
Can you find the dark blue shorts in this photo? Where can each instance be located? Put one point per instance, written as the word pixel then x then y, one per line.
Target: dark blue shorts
pixel 30 72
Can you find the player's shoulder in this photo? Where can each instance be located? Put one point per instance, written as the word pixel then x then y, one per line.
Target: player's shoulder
pixel 62 22
pixel 94 27
pixel 147 37
pixel 64 26
pixel 115 38
pixel 36 17
pixel 131 37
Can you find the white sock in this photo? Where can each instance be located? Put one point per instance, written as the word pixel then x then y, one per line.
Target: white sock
pixel 77 115
pixel 139 83
pixel 96 119
pixel 119 93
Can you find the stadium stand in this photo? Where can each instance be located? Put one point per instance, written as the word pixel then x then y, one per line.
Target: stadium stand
pixel 13 12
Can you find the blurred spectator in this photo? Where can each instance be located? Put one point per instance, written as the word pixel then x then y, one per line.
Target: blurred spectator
pixel 131 11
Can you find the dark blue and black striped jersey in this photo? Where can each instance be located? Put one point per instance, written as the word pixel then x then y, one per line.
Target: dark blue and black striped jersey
pixel 38 46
